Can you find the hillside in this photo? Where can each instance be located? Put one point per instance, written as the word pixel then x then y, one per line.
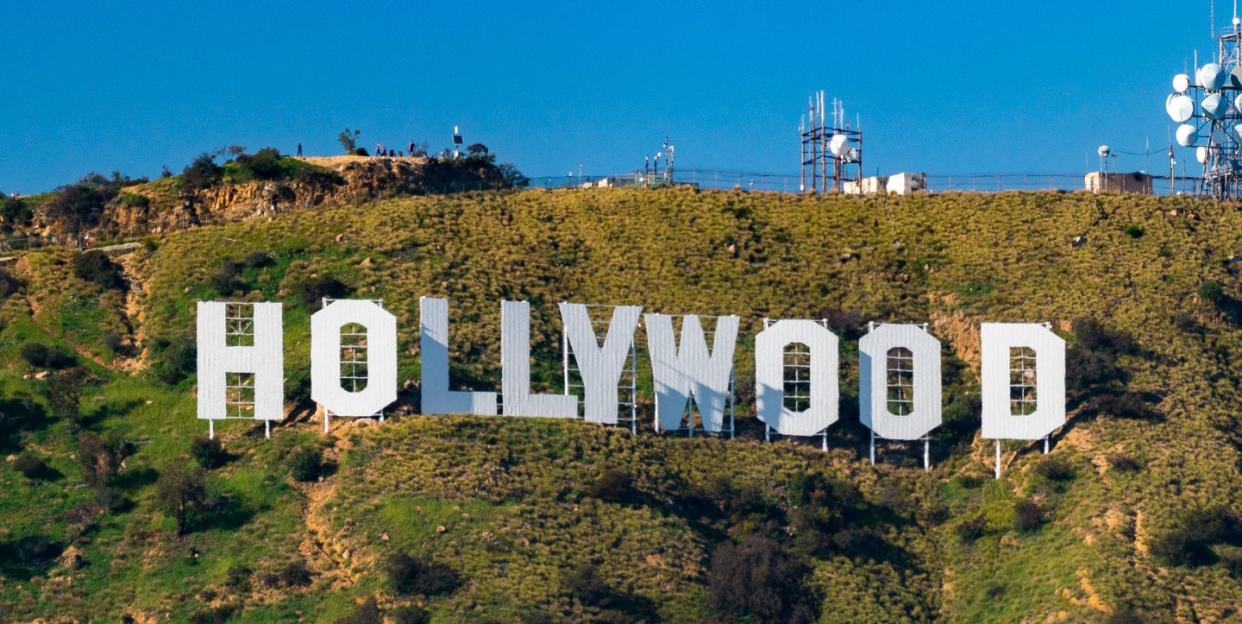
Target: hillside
pixel 1133 517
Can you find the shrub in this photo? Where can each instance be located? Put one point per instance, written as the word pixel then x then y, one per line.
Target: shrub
pixel 971 528
pixel 349 141
pixel 1128 405
pixel 411 614
pixel 264 164
pixel 174 360
pixel 311 291
pixel 179 491
pixel 409 575
pixel 1124 463
pixel 1055 469
pixel 1134 231
pixel 14 212
pixel 40 355
pixel 258 259
pixel 34 468
pixel 114 342
pixel 78 206
pixel 305 463
pixel 367 612
pixel 96 267
pixel 100 459
pixel 1027 516
pixel 238 577
pixel 64 395
pixel 755 578
pixel 1211 291
pixel 294 574
pixel 226 279
pixel 208 452
pixel 612 486
pixel 202 173
pixel 218 614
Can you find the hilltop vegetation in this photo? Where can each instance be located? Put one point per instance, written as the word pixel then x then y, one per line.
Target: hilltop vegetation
pixel 111 508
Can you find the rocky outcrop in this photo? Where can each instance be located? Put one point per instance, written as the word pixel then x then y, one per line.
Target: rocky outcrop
pixel 345 179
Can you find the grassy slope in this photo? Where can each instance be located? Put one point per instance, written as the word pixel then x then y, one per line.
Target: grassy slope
pixel 508 495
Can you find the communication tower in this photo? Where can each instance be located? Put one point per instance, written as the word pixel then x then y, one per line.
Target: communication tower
pixel 1208 109
pixel 825 146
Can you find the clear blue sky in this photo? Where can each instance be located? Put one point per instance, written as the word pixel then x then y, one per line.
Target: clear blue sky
pixel 943 87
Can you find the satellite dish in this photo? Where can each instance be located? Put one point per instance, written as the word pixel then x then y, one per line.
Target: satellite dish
pixel 1237 102
pixel 1212 76
pixel 1103 151
pixel 1181 83
pixel 1237 132
pixel 1235 78
pixel 1215 106
pixel 838 145
pixel 1185 135
pixel 1201 155
pixel 1180 108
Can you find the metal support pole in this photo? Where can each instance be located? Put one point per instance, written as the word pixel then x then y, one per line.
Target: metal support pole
pixel 872 453
pixel 998 459
pixel 1046 445
pixel 565 359
pixel 730 405
pixel 325 420
pixel 633 389
pixel 927 453
pixel 767 433
pixel 381 416
pixel 825 441
pixel 211 429
pixel 267 429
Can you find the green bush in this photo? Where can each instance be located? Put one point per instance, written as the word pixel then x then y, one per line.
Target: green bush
pixel 312 291
pixel 1027 516
pixel 756 579
pixel 203 173
pixel 175 360
pixel 1055 468
pixel 100 459
pixel 612 486
pixel 227 279
pixel 180 491
pixel 410 614
pixel 971 528
pixel 367 612
pixel 1211 291
pixel 96 267
pixel 408 575
pixel 1191 539
pixel 294 574
pixel 305 463
pixel 208 452
pixel 1134 231
pixel 238 577
pixel 9 285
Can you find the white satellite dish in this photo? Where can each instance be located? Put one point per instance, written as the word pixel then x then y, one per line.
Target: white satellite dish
pixel 1212 76
pixel 1185 135
pixel 1237 102
pixel 1237 132
pixel 1103 151
pixel 1235 78
pixel 1181 83
pixel 1201 155
pixel 1215 106
pixel 838 144
pixel 1180 108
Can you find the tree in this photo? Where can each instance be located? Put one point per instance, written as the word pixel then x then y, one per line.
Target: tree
pixel 179 491
pixel 64 395
pixel 512 176
pixel 78 206
pixel 477 149
pixel 100 459
pixel 756 578
pixel 202 173
pixel 349 140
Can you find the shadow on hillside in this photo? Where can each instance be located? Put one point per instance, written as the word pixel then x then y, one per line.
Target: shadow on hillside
pixel 134 478
pixel 106 411
pixel 18 416
pixel 27 557
pixel 224 513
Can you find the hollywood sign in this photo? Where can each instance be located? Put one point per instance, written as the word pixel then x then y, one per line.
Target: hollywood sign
pixel 241 370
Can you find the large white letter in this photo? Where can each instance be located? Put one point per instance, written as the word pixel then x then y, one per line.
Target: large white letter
pixel 899 368
pixel 600 367
pixel 381 366
pixel 515 369
pixel 770 377
pixel 688 369
pixel 1023 381
pixel 265 360
pixel 433 339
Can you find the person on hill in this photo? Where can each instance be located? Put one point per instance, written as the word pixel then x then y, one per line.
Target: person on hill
pixel 299 150
pixel 410 151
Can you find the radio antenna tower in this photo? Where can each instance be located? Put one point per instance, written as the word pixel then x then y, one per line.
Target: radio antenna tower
pixel 1208 109
pixel 825 144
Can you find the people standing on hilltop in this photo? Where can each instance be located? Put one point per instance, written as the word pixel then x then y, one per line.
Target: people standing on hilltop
pixel 410 151
pixel 299 150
